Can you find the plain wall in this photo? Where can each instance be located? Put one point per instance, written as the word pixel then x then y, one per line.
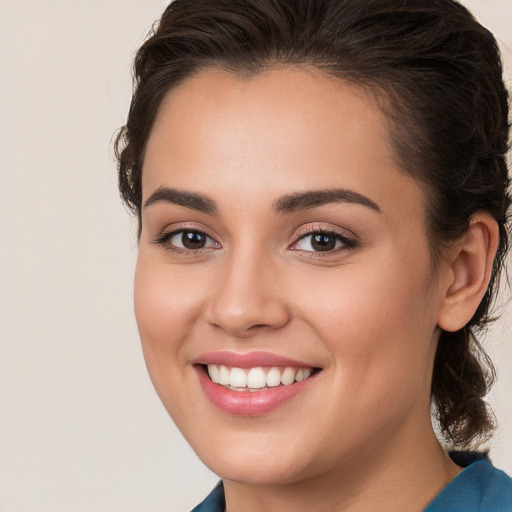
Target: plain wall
pixel 81 428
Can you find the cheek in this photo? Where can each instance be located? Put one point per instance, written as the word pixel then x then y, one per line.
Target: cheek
pixel 382 347
pixel 166 308
pixel 368 301
pixel 164 303
pixel 377 321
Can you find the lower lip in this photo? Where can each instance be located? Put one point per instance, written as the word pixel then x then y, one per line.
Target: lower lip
pixel 250 403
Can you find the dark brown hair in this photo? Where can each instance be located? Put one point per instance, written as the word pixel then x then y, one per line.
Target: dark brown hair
pixel 437 75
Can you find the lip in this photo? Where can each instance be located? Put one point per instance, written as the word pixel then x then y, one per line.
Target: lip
pixel 250 403
pixel 249 359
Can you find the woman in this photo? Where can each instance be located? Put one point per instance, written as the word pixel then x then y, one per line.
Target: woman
pixel 321 194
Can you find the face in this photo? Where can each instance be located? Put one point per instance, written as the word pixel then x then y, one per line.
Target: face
pixel 284 291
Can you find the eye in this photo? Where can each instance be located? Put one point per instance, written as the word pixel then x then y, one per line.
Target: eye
pixel 186 240
pixel 323 241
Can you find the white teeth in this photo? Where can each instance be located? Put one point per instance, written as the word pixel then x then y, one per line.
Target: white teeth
pixel 288 376
pixel 237 378
pixel 273 377
pixel 214 372
pixel 302 374
pixel 256 378
pixel 223 376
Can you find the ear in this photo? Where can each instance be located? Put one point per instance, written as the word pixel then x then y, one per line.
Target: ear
pixel 471 262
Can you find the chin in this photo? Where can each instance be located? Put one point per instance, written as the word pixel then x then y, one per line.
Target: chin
pixel 255 458
pixel 257 471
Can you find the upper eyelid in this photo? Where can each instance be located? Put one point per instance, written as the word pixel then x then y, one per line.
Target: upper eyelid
pixel 317 228
pixel 178 227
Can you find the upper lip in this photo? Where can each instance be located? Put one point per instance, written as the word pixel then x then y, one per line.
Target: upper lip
pixel 249 359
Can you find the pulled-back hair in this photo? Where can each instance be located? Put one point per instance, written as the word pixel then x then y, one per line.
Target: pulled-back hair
pixel 436 74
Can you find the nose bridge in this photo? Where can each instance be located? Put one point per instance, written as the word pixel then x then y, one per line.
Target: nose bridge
pixel 247 294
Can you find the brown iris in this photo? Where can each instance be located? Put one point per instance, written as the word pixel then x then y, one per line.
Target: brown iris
pixel 321 242
pixel 193 240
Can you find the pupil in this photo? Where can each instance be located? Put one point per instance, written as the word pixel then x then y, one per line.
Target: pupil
pixel 323 243
pixel 193 240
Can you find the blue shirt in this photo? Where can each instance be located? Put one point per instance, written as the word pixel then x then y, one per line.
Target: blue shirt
pixel 479 487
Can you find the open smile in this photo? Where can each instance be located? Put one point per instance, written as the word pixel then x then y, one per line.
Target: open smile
pixel 257 378
pixel 252 384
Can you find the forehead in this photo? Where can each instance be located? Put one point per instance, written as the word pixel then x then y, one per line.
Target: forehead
pixel 283 130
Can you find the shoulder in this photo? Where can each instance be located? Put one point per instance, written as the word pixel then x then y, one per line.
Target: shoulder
pixel 214 502
pixel 480 487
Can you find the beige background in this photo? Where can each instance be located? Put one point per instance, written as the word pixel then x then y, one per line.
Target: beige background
pixel 81 428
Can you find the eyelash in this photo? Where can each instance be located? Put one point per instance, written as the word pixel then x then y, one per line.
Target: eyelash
pixel 164 239
pixel 347 242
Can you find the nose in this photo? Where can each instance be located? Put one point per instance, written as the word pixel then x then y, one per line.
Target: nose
pixel 248 297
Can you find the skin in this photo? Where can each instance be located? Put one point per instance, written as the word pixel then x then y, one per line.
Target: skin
pixel 360 436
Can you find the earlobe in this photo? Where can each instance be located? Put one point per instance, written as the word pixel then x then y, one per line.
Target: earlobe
pixel 471 266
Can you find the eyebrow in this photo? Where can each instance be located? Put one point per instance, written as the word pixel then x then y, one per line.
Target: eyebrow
pixel 314 198
pixel 191 200
pixel 286 204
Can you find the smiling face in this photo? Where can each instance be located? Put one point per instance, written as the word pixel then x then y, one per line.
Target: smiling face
pixel 278 233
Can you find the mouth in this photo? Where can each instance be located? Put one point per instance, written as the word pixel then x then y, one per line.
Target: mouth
pixel 257 378
pixel 252 384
